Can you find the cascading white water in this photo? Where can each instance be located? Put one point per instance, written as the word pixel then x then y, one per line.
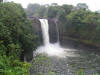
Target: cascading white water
pixel 45 29
pixel 48 48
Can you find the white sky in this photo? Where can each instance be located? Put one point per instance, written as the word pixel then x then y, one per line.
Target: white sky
pixel 93 4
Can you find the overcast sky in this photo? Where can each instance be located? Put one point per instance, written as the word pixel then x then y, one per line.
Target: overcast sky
pixel 93 4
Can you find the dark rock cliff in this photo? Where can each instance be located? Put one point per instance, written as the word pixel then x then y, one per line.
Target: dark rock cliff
pixel 37 28
pixel 52 29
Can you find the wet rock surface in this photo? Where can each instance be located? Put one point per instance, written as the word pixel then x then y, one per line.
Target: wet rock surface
pixel 75 60
pixel 52 31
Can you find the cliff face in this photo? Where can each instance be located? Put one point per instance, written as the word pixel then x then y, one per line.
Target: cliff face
pixel 37 28
pixel 53 34
pixel 64 40
pixel 52 29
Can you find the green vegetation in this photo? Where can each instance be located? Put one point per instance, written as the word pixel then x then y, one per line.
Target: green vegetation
pixel 84 25
pixel 80 72
pixel 77 22
pixel 13 67
pixel 17 40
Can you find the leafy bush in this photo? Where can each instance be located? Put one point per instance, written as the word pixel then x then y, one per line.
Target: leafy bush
pixel 13 67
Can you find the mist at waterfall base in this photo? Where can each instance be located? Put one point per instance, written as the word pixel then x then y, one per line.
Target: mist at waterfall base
pixel 49 48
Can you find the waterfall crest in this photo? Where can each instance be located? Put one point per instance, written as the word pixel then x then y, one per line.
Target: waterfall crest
pixel 49 48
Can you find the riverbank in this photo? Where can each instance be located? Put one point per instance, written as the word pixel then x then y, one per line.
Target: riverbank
pixel 70 42
pixel 75 61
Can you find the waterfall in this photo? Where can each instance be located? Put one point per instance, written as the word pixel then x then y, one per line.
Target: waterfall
pixel 49 48
pixel 45 31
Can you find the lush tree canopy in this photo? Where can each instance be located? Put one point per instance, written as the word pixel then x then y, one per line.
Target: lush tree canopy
pixel 16 39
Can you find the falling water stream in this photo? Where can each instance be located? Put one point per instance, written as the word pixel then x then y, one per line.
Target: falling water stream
pixel 49 48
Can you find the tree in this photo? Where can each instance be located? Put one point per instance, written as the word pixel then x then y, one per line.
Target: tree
pixel 67 8
pixel 82 6
pixel 1 0
pixel 41 12
pixel 16 30
pixel 54 4
pixel 32 9
pixel 16 39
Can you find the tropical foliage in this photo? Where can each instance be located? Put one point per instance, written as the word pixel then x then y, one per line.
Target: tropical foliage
pixel 17 39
